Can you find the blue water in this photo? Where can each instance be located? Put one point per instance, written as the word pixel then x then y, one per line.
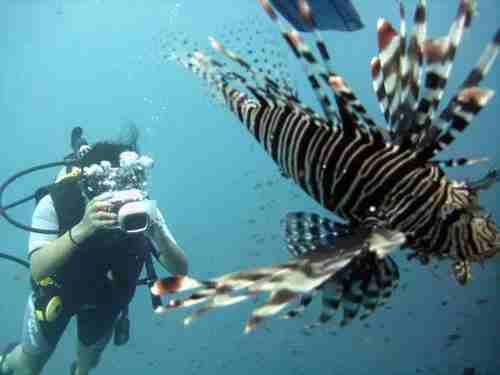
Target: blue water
pixel 98 64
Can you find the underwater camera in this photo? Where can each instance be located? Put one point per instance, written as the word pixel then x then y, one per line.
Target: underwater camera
pixel 126 186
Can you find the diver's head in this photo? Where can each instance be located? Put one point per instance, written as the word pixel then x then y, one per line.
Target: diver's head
pixel 113 167
pixel 118 170
pixel 105 151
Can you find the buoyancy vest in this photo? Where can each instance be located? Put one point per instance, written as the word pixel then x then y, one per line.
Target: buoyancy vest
pixel 105 268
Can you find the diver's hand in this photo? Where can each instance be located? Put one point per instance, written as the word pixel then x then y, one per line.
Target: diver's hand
pixel 97 216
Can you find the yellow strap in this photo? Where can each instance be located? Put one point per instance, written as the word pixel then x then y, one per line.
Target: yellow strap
pixel 74 173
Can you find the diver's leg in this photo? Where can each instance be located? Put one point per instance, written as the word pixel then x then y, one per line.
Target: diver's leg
pixel 95 329
pixel 88 356
pixel 38 343
pixel 19 362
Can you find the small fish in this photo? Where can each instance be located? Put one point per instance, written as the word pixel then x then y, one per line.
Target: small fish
pixel 454 337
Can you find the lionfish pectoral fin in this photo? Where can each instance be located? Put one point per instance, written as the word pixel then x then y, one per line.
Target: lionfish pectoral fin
pixel 301 276
pixel 305 232
pixel 358 290
pixel 383 241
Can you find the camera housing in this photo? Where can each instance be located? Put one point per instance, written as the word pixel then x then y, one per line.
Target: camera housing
pixel 135 211
pixel 127 186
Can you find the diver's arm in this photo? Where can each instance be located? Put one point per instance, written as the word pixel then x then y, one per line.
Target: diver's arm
pixel 171 255
pixel 46 260
pixel 49 258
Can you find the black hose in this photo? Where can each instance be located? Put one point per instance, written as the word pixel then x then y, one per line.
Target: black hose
pixel 4 208
pixel 151 278
pixel 15 259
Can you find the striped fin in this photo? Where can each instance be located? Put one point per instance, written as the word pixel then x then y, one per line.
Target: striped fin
pixel 217 301
pixel 331 301
pixel 440 54
pixel 351 109
pixel 445 123
pixel 484 64
pixel 379 87
pixel 404 72
pixel 211 70
pixel 459 162
pixel 415 54
pixel 391 76
pixel 411 62
pixel 358 290
pixel 371 297
pixel 265 89
pixel 353 113
pixel 270 86
pixel 305 232
pixel 346 99
pixel 311 67
pixel 468 104
pixel 305 301
pixel 389 42
pixel 435 54
pixel 284 283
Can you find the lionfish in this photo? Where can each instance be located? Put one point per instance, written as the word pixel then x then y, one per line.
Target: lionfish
pixel 385 182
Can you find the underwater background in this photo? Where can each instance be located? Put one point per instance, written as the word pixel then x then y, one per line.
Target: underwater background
pixel 105 64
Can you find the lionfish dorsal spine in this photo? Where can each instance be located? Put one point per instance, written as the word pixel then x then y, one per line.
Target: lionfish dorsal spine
pixel 351 109
pixel 389 44
pixel 404 64
pixel 352 112
pixel 309 63
pixel 457 115
pixel 415 53
pixel 269 87
pixel 439 54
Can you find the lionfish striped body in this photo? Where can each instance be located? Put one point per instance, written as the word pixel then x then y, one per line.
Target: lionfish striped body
pixel 372 177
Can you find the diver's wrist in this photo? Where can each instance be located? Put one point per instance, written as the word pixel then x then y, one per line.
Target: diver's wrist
pixel 79 233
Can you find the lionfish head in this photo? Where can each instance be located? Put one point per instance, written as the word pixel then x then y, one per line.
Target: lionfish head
pixel 479 235
pixel 474 237
pixel 484 228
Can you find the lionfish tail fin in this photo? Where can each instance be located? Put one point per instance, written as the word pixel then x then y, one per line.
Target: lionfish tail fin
pixel 300 277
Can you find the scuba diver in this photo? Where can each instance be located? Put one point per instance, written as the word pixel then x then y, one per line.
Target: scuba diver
pixel 92 232
pixel 337 15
